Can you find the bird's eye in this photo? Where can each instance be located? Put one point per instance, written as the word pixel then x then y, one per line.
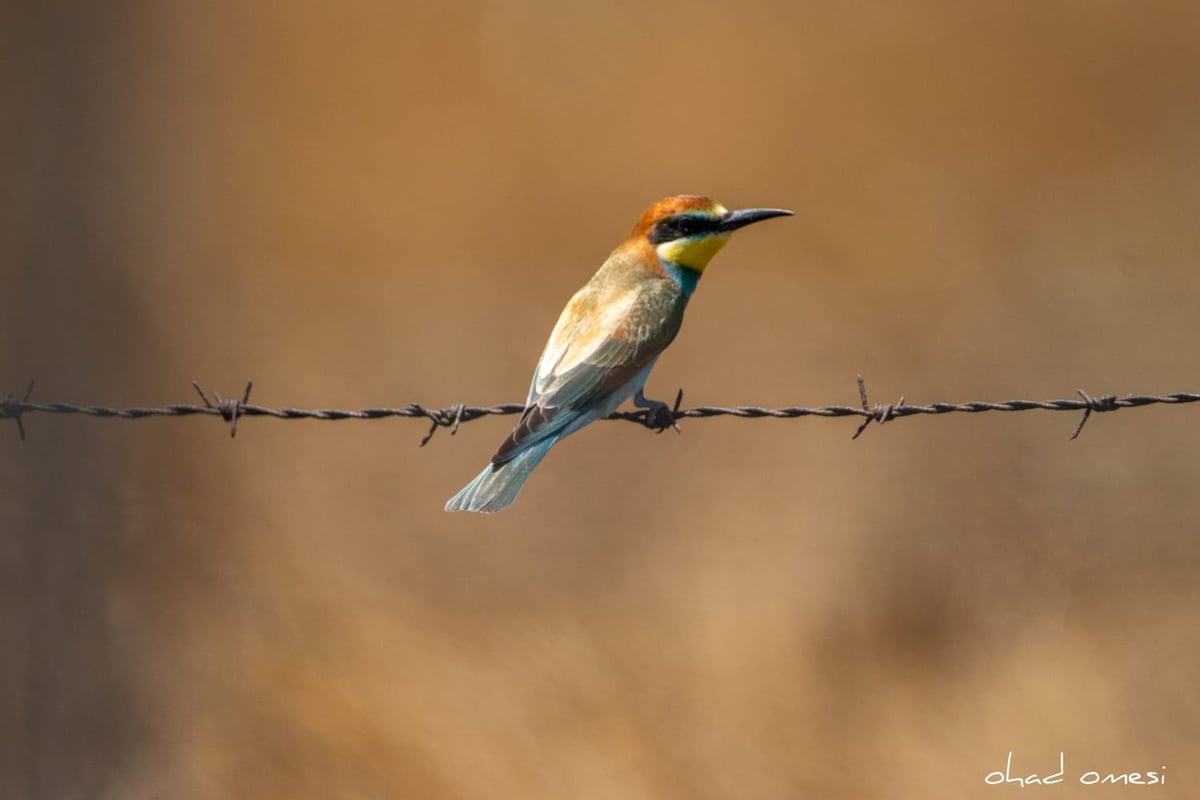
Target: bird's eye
pixel 679 227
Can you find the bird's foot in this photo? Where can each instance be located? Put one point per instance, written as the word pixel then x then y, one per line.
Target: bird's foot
pixel 659 415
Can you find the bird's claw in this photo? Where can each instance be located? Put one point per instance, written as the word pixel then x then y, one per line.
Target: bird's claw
pixel 659 417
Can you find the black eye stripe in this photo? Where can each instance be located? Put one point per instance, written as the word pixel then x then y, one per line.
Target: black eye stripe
pixel 679 226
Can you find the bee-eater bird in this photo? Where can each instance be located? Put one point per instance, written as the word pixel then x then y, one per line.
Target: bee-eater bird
pixel 609 336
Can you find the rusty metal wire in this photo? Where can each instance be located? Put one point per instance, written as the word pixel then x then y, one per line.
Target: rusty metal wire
pixel 231 410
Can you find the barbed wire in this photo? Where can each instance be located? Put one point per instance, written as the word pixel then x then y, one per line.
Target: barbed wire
pixel 659 419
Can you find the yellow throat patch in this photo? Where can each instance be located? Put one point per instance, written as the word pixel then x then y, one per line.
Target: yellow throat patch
pixel 694 252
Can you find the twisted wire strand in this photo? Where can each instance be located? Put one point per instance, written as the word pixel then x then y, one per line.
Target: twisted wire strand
pixel 231 410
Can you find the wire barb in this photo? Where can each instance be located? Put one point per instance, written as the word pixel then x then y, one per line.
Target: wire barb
pixel 876 413
pixel 675 411
pixel 450 417
pixel 1106 402
pixel 11 408
pixel 228 408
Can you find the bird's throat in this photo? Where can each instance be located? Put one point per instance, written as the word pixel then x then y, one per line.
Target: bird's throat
pixel 693 252
pixel 686 277
pixel 685 259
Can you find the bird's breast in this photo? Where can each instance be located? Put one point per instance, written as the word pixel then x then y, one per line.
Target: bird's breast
pixel 655 315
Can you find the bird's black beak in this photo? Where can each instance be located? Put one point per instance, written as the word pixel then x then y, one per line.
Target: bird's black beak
pixel 732 220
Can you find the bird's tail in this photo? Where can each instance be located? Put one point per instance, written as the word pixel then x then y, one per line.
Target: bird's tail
pixel 496 487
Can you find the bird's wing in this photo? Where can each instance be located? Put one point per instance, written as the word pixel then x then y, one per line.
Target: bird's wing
pixel 602 340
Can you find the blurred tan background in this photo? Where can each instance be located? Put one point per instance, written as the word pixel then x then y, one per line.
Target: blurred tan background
pixel 372 204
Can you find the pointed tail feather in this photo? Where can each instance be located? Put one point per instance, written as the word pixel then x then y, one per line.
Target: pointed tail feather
pixel 496 487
